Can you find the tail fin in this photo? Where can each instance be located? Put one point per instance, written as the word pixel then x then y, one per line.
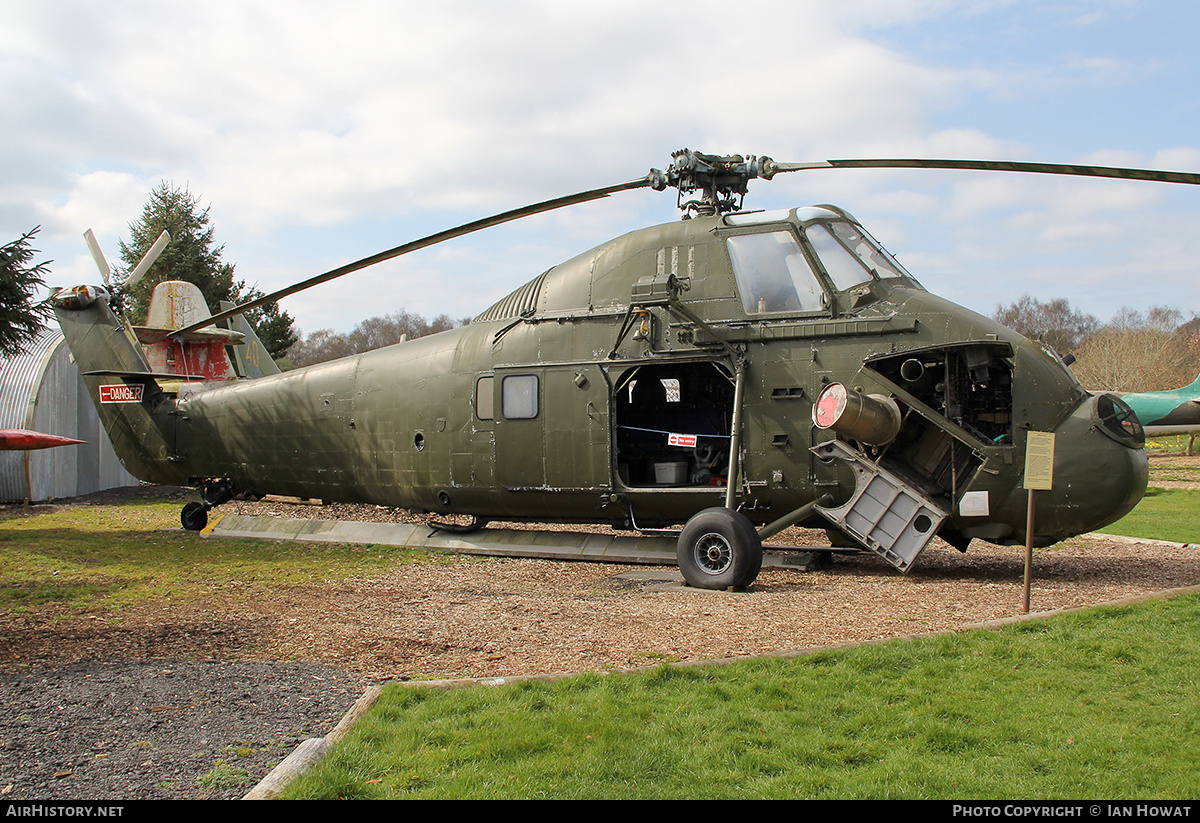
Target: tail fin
pixel 201 354
pixel 251 360
pixel 226 351
pixel 133 408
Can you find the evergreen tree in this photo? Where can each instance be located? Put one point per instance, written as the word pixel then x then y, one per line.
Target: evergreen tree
pixel 191 256
pixel 20 319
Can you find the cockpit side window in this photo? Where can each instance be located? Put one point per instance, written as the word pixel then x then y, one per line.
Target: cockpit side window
pixel 851 256
pixel 845 269
pixel 874 256
pixel 773 275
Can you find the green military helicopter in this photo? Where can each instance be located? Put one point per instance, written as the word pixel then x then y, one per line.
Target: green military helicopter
pixel 735 372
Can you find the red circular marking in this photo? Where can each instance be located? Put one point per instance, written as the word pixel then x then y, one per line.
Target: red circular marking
pixel 831 402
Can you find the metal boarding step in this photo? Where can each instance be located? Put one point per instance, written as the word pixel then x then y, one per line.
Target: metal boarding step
pixel 885 514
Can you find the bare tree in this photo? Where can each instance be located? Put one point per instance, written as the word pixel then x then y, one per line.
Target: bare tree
pixel 372 333
pixel 1139 351
pixel 1054 322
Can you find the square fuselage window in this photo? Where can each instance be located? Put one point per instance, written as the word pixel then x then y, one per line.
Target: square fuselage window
pixel 520 397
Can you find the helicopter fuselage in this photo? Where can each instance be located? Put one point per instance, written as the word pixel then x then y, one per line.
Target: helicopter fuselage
pixel 665 372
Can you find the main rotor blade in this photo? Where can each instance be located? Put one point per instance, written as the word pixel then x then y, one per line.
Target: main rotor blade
pixel 433 239
pixel 148 261
pixel 1000 165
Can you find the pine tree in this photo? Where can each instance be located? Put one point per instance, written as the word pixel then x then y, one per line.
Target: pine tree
pixel 191 256
pixel 20 318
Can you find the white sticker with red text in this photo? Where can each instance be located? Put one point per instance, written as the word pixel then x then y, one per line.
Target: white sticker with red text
pixel 121 393
pixel 686 440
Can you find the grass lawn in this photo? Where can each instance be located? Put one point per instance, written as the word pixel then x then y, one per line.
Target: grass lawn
pixel 113 557
pixel 1102 703
pixel 1163 514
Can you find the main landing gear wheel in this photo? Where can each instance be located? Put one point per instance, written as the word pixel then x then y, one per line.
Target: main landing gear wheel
pixel 194 516
pixel 719 549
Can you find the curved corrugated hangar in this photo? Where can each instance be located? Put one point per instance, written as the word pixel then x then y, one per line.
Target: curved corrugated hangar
pixel 41 390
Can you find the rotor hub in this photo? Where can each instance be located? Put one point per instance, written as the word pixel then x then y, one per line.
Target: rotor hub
pixel 720 180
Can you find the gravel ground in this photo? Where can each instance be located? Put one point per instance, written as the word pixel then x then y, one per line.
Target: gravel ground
pixel 202 699
pixel 162 729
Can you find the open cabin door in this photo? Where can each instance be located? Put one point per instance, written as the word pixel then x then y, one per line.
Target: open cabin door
pixel 673 425
pixel 552 428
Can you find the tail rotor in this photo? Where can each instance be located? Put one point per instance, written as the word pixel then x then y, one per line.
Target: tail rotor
pixel 137 272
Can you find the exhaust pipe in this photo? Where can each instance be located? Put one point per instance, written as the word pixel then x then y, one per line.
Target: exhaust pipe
pixel 872 419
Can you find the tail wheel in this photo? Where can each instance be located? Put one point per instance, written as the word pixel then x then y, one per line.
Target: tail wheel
pixel 719 549
pixel 194 517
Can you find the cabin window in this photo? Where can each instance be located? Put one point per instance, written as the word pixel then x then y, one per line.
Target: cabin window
pixel 485 403
pixel 773 275
pixel 520 397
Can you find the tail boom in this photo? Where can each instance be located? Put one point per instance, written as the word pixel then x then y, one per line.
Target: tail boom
pixel 138 416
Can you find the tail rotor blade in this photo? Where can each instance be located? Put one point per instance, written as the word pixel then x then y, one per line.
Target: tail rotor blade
pixel 97 255
pixel 146 262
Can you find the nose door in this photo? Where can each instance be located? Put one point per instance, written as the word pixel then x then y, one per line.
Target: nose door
pixel 1100 471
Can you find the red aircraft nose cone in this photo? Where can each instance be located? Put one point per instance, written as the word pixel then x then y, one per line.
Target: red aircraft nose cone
pixel 24 440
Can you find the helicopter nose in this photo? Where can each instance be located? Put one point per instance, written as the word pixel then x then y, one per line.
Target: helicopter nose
pixel 1100 471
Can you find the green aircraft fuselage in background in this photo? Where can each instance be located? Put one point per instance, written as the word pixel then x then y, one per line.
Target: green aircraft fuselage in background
pixel 1164 413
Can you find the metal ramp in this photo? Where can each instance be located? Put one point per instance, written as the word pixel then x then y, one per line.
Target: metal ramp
pixel 585 546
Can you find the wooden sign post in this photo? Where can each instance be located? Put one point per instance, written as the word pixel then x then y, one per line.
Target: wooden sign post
pixel 1039 475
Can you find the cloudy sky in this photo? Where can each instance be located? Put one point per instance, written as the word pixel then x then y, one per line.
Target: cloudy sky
pixel 320 133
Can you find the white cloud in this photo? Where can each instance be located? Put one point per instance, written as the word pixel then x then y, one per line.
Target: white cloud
pixel 315 129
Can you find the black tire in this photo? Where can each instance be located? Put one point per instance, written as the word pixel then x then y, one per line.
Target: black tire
pixel 719 549
pixel 194 517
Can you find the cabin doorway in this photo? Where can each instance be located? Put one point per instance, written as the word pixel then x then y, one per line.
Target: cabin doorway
pixel 672 425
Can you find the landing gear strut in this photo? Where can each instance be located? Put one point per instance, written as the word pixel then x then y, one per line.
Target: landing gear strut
pixel 213 492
